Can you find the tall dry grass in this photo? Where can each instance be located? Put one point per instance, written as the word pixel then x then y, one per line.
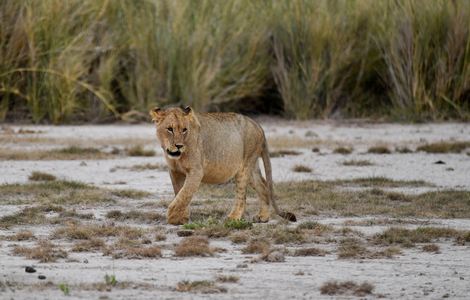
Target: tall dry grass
pixel 90 60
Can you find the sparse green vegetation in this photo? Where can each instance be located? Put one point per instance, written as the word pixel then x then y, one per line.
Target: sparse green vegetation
pixel 41 176
pixel 88 232
pixel 409 237
pixel 238 224
pixel 64 287
pixel 136 216
pixel 444 147
pixel 62 192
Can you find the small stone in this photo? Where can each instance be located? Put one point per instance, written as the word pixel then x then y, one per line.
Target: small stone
pixel 439 162
pixel 85 261
pixel 82 164
pixel 182 233
pixel 29 269
pixel 42 277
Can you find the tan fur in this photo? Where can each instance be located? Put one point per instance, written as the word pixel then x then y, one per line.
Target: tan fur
pixel 213 148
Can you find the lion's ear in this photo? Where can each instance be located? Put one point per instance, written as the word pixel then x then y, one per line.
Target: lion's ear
pixel 157 114
pixel 186 109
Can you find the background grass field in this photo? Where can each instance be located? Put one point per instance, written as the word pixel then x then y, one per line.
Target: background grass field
pixel 98 61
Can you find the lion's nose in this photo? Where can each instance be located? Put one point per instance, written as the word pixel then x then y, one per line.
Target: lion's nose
pixel 179 146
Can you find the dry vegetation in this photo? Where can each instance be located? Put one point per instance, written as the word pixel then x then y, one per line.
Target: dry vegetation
pixel 343 150
pixel 88 63
pixel 301 169
pixel 346 288
pixel 444 147
pixel 140 151
pixel 282 153
pixel 201 286
pixel 193 246
pixel 136 216
pixel 41 176
pixel 44 251
pixel 68 153
pixel 357 163
pixel 379 150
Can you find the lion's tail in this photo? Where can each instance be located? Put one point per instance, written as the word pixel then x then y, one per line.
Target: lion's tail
pixel 269 178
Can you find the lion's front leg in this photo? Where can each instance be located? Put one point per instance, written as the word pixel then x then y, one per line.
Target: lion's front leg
pixel 178 211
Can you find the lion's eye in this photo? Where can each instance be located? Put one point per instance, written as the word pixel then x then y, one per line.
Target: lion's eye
pixel 170 129
pixel 184 130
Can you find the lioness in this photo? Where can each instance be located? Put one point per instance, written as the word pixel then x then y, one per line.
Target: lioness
pixel 214 148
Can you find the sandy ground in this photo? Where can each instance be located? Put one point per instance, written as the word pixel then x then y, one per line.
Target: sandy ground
pixel 414 274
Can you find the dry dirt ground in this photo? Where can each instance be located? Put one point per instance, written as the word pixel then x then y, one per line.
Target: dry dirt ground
pixel 383 212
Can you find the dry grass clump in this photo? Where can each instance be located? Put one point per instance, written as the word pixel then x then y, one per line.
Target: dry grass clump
pixel 134 215
pixel 343 150
pixel 282 153
pixel 301 169
pixel 68 153
pixel 23 235
pixel 409 237
pixel 335 197
pixel 138 252
pixel 194 246
pixel 160 236
pixel 29 216
pixel 62 192
pixel 257 246
pixel 346 288
pixel 93 244
pixel 239 237
pixel 200 286
pixel 357 163
pixel 41 176
pixel 312 251
pixel 141 167
pixel 431 248
pixel 379 150
pixel 444 147
pixel 228 278
pixel 315 227
pixel 284 235
pixel 44 251
pixel 140 151
pixel 403 150
pixel 355 248
pixel 88 232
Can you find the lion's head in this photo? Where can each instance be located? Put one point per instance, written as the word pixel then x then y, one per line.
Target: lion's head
pixel 176 128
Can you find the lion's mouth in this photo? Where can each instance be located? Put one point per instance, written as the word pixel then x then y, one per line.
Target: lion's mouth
pixel 176 153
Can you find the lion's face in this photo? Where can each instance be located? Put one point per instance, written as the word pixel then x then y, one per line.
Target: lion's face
pixel 173 129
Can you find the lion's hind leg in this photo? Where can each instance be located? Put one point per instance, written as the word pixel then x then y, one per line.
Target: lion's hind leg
pixel 260 186
pixel 238 209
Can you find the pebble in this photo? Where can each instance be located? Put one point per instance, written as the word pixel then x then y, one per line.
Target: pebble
pixel 42 277
pixel 29 269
